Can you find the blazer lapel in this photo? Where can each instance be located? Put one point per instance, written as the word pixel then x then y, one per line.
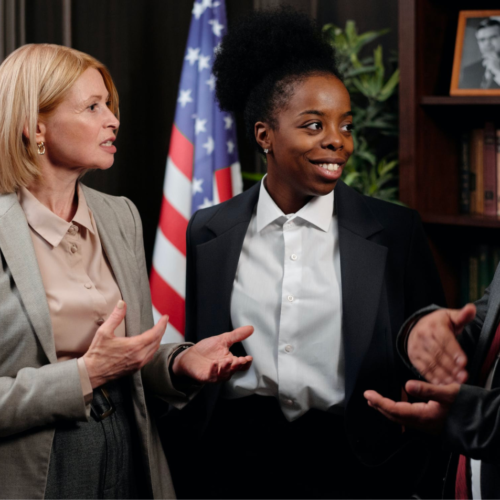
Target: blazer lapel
pixel 121 261
pixel 219 260
pixel 362 264
pixel 17 248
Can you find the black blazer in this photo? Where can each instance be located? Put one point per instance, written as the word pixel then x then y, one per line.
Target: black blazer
pixel 387 274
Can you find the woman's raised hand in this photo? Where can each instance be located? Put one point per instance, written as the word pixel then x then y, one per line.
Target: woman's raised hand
pixel 210 359
pixel 110 357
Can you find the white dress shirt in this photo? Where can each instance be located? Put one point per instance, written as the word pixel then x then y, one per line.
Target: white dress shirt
pixel 288 286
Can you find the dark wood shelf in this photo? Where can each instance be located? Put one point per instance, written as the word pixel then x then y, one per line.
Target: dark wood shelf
pixel 432 100
pixel 462 220
pixel 431 124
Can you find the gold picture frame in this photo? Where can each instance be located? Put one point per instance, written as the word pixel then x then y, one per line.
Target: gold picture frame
pixel 475 63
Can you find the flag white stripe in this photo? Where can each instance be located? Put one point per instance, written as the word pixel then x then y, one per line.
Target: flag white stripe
pixel 171 335
pixel 215 188
pixel 170 264
pixel 236 179
pixel 177 189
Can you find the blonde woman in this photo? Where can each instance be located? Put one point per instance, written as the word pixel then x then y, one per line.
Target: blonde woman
pixel 78 349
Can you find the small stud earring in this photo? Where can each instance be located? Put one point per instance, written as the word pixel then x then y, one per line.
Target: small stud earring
pixel 266 151
pixel 41 148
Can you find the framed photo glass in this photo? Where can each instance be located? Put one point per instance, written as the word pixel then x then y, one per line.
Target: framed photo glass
pixel 476 65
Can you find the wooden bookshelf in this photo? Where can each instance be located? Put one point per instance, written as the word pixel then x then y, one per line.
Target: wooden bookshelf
pixel 437 100
pixel 462 220
pixel 431 123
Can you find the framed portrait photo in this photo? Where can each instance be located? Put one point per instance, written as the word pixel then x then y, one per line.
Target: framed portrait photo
pixel 476 65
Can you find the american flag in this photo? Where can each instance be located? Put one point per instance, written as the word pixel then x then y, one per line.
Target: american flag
pixel 202 165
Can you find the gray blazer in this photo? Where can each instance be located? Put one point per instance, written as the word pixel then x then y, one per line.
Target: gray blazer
pixel 35 391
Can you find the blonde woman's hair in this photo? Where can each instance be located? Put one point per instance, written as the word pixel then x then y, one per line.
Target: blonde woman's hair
pixel 34 80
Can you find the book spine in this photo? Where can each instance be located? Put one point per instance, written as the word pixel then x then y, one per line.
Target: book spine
pixel 465 173
pixel 490 169
pixel 498 169
pixel 480 171
pixel 473 277
pixel 483 270
pixel 474 141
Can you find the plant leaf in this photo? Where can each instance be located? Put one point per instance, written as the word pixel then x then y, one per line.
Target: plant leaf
pixel 252 176
pixel 390 86
pixel 368 37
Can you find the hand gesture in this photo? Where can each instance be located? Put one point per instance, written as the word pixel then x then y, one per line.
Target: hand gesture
pixel 433 348
pixel 110 357
pixel 210 359
pixel 429 417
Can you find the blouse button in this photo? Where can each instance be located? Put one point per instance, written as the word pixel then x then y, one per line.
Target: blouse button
pixel 293 256
pixel 88 286
pixel 290 298
pixel 74 248
pixel 73 229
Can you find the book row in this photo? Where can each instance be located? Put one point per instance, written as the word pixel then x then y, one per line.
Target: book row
pixel 476 271
pixel 480 171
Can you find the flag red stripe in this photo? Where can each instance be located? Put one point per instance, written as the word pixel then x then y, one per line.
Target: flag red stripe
pixel 167 301
pixel 181 152
pixel 173 225
pixel 224 183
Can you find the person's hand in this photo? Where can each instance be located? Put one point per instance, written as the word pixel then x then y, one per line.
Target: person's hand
pixel 210 359
pixel 433 348
pixel 429 416
pixel 110 357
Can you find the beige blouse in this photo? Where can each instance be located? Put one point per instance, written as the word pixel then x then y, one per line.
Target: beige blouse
pixel 79 284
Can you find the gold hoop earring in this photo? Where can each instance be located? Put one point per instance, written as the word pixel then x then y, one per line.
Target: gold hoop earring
pixel 41 148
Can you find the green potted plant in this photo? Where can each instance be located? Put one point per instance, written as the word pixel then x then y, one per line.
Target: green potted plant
pixel 372 168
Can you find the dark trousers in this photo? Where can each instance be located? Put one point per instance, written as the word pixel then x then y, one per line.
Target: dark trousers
pixel 250 450
pixel 99 458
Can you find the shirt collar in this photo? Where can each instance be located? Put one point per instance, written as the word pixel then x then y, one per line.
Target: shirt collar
pixel 46 223
pixel 319 211
pixel 83 214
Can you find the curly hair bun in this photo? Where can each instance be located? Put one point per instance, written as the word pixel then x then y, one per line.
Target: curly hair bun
pixel 279 42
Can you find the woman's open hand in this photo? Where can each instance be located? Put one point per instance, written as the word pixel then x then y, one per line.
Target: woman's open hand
pixel 210 359
pixel 110 357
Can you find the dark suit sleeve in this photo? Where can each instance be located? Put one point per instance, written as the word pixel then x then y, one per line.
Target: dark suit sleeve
pixel 468 339
pixel 473 424
pixel 470 335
